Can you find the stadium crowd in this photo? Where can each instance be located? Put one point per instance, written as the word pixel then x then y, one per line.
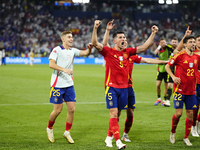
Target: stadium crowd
pixel 30 26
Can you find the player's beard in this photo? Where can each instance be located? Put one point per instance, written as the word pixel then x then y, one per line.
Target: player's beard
pixel 192 48
pixel 174 46
pixel 121 46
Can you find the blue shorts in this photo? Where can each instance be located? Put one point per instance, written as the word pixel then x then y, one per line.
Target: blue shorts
pixel 189 100
pixel 198 93
pixel 60 95
pixel 116 98
pixel 131 98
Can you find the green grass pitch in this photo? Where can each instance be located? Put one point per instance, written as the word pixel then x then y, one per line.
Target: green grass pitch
pixel 25 110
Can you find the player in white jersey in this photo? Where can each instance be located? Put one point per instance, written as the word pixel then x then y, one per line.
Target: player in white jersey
pixel 62 85
pixel 0 56
pixel 31 57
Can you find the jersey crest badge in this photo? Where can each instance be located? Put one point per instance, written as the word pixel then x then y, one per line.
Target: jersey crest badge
pixel 111 103
pixel 177 104
pixel 190 65
pixel 125 55
pixel 195 61
pixel 56 99
pixel 68 58
pixel 55 51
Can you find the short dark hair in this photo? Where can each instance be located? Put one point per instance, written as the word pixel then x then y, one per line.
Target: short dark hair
pixel 118 32
pixel 162 38
pixel 175 38
pixel 187 38
pixel 197 36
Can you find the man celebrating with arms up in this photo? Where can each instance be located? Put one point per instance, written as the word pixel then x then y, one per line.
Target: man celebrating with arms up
pixel 131 94
pixel 186 63
pixel 116 76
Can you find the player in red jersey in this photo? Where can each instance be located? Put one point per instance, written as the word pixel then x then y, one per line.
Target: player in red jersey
pixel 187 64
pixel 131 94
pixel 116 76
pixel 196 119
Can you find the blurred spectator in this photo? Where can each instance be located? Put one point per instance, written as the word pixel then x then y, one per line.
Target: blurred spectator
pixel 29 25
pixel 3 57
pixel 0 57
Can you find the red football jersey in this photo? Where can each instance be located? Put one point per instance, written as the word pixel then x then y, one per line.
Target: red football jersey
pixel 186 68
pixel 133 59
pixel 198 74
pixel 117 66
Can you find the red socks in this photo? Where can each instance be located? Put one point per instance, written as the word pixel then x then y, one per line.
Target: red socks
pixel 109 131
pixel 114 126
pixel 188 125
pixel 195 112
pixel 174 123
pixel 198 117
pixel 128 123
pixel 68 126
pixel 50 124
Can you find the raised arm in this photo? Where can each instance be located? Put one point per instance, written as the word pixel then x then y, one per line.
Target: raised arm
pixel 54 66
pixel 180 45
pixel 86 52
pixel 149 41
pixel 110 25
pixel 156 51
pixel 96 44
pixel 152 61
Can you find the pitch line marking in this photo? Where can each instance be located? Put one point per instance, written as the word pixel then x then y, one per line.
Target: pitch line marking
pixel 77 103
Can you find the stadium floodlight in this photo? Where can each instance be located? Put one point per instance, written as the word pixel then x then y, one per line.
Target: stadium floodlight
pixel 76 1
pixel 161 1
pixel 175 1
pixel 86 1
pixel 81 1
pixel 168 2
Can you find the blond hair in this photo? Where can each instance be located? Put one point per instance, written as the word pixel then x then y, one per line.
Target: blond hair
pixel 65 33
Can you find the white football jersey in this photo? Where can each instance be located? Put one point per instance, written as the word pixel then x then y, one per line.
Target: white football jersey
pixel 64 58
